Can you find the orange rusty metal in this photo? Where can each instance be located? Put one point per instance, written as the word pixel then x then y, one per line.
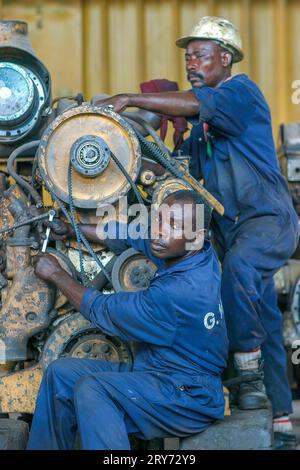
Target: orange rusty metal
pixel 26 300
pixel 64 131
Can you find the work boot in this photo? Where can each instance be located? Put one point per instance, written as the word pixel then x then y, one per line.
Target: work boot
pixel 252 393
pixel 284 437
pixel 284 441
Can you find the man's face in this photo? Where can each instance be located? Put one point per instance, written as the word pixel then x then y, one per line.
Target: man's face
pixel 206 63
pixel 171 232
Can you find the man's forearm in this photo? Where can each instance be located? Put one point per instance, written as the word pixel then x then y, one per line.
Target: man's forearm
pixel 70 288
pixel 172 103
pixel 93 233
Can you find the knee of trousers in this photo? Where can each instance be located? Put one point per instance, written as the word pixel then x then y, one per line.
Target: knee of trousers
pixel 236 267
pixel 86 389
pixel 58 368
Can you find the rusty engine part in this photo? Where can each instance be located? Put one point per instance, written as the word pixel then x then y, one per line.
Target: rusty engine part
pixel 89 136
pixel 167 187
pixel 147 177
pixel 289 158
pixel 72 336
pixel 132 271
pixel 156 151
pixel 25 86
pixel 26 300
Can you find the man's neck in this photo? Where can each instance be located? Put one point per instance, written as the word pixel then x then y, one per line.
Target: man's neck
pixel 226 77
pixel 172 261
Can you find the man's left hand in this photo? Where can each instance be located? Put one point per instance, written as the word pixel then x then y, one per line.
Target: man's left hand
pixel 119 102
pixel 46 267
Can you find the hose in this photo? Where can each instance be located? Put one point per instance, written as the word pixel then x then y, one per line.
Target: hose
pixel 74 224
pixel 83 239
pixel 153 151
pixel 129 179
pixel 135 117
pixel 10 168
pixel 100 281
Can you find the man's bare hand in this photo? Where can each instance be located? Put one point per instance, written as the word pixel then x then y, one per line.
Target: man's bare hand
pixel 119 102
pixel 46 267
pixel 60 230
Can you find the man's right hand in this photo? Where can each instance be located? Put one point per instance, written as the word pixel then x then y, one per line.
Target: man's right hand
pixel 60 230
pixel 119 102
pixel 46 267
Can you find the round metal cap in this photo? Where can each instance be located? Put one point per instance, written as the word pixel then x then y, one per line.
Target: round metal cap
pixel 90 155
pixel 16 93
pixel 132 271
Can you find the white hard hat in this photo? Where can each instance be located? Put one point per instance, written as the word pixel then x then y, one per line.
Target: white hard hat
pixel 217 29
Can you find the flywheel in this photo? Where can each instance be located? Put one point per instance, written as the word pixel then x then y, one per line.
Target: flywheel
pixel 91 137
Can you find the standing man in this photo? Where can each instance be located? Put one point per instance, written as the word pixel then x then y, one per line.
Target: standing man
pixel 232 149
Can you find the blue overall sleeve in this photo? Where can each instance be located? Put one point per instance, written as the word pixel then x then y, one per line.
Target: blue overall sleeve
pixel 122 236
pixel 228 108
pixel 146 316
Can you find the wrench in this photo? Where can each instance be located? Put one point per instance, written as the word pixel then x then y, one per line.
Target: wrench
pixel 25 222
pixel 48 230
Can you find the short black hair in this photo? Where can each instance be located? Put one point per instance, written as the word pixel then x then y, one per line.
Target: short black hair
pixel 194 198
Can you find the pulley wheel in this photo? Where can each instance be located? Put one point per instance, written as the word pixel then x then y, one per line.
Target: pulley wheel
pixel 74 336
pixel 132 271
pixel 89 136
pixel 166 188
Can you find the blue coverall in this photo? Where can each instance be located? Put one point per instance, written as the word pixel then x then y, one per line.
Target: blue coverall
pixel 259 230
pixel 174 387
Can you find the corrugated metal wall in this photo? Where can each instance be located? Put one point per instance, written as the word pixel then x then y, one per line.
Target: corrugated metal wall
pixel 110 46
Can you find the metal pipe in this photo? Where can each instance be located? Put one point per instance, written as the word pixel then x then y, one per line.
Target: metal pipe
pixel 10 168
pixel 134 116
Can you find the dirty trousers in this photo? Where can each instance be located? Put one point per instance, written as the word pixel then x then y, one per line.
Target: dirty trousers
pixel 260 247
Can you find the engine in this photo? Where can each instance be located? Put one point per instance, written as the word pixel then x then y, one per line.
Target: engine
pixel 68 158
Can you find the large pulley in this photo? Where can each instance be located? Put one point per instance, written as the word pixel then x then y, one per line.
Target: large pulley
pixel 132 271
pixel 92 139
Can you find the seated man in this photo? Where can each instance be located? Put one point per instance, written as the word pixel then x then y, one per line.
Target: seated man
pixel 174 387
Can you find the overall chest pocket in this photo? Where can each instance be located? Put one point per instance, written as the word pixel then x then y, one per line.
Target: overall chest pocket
pixel 220 150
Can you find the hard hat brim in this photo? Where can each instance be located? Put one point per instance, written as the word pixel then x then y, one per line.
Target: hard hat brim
pixel 238 54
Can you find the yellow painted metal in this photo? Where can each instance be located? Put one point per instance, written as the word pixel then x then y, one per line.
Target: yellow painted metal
pixel 226 398
pixel 18 390
pixel 46 198
pixel 110 46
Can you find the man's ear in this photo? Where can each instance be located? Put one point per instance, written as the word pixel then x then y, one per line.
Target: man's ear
pixel 226 58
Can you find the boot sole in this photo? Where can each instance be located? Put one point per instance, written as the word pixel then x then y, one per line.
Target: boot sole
pixel 253 404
